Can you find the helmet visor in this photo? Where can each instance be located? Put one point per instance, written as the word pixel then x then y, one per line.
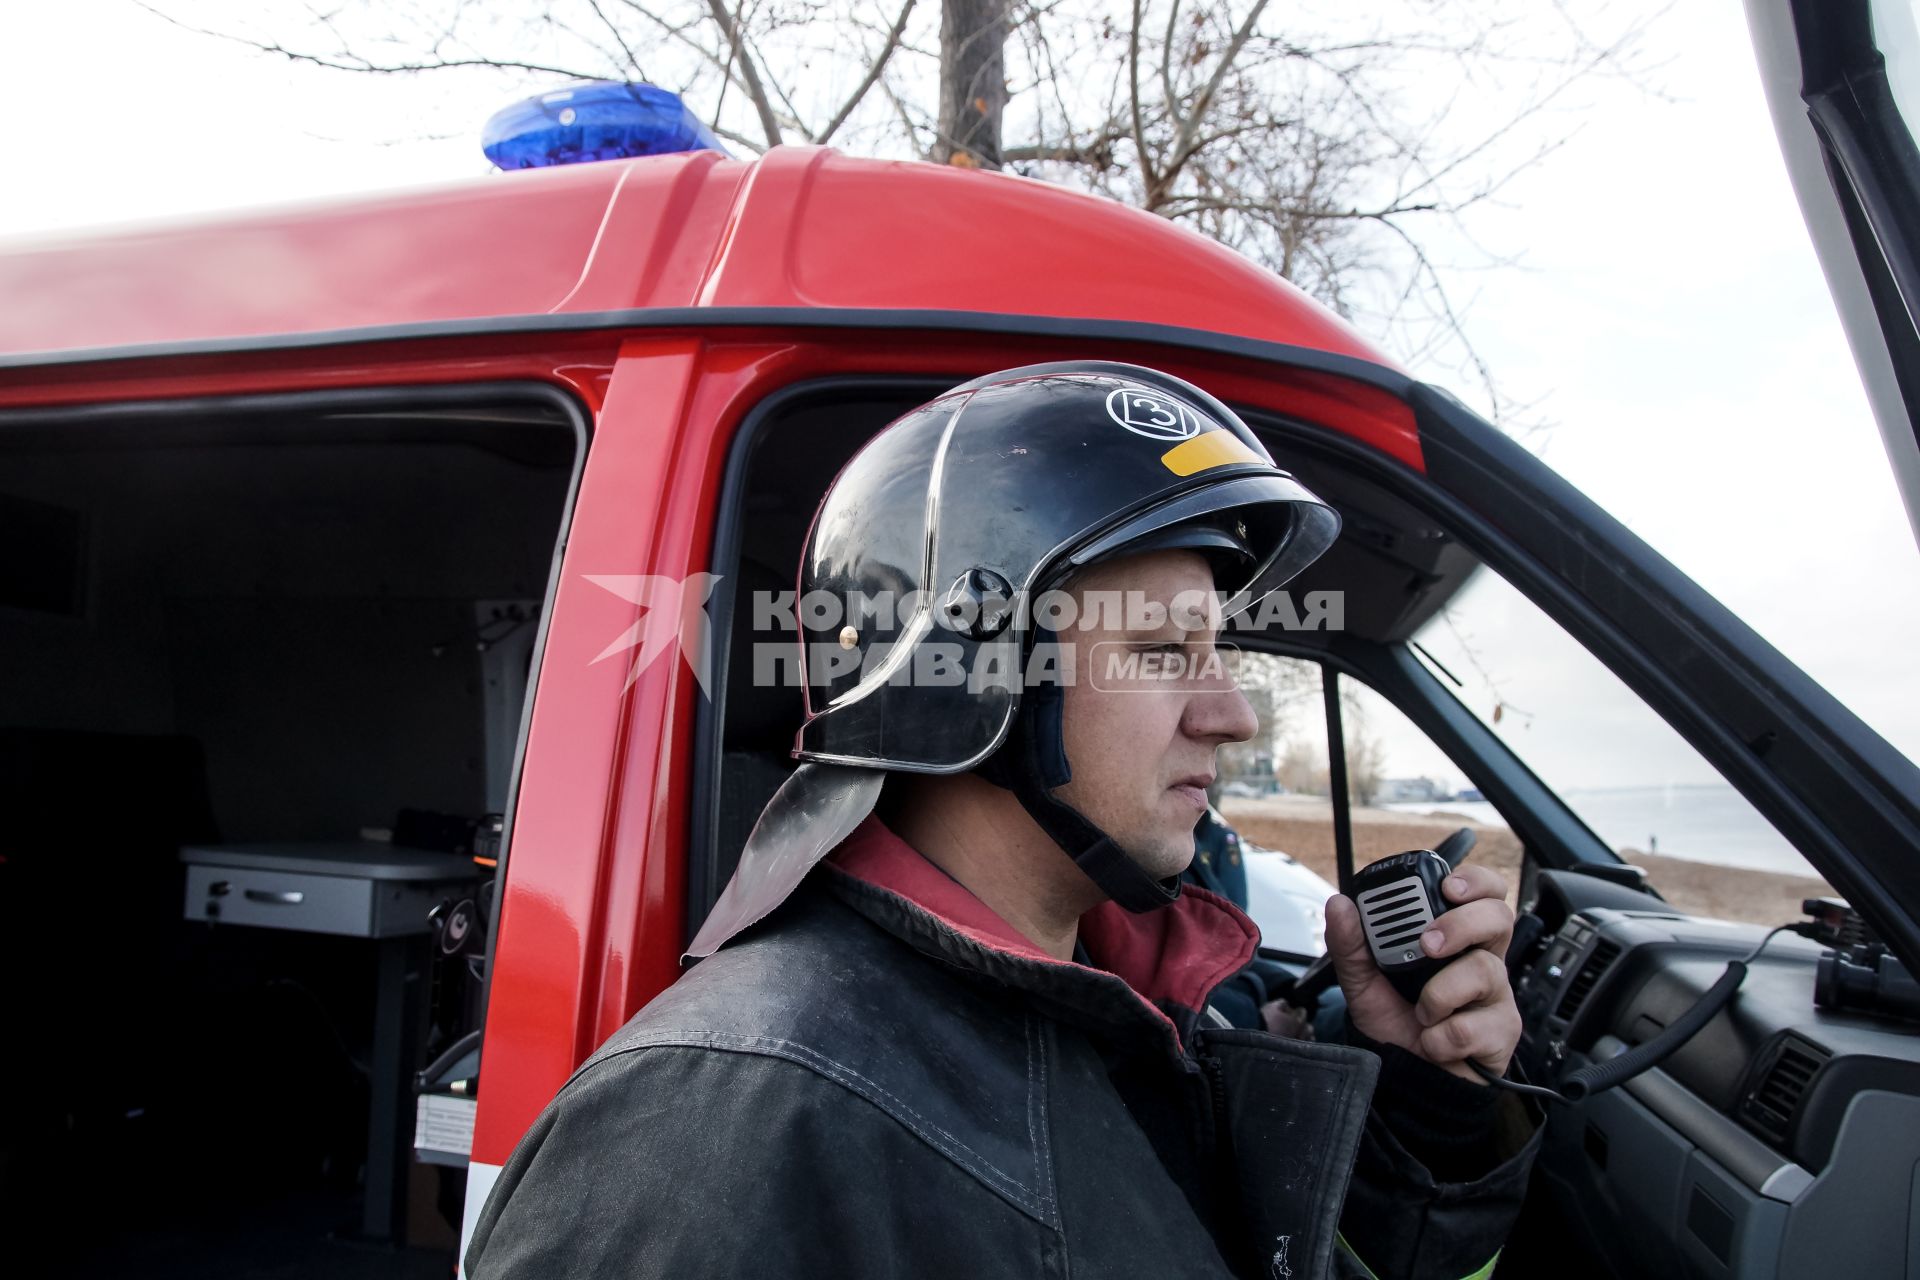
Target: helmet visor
pixel 1286 525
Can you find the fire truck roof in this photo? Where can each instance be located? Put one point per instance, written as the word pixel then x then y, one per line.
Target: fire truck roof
pixel 801 227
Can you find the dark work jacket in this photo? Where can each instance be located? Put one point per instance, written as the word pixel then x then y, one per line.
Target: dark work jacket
pixel 883 1079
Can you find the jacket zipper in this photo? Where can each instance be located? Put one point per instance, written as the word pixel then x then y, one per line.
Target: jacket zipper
pixel 1217 1089
pixel 1213 1134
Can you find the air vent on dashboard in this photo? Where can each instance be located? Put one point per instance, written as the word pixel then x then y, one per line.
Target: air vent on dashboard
pixel 1605 952
pixel 1769 1108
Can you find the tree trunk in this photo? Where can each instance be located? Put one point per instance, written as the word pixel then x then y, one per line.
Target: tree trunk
pixel 973 82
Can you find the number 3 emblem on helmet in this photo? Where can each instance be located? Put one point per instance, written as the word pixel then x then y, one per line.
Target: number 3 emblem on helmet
pixel 1157 417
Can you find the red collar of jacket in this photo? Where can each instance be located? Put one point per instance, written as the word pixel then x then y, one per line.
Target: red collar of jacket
pixel 1174 956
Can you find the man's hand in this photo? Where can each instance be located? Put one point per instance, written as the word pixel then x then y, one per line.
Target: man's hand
pixel 1467 1008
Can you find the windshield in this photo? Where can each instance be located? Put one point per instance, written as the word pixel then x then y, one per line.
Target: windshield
pixel 1621 768
pixel 1675 354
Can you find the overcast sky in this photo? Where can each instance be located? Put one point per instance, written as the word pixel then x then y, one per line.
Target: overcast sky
pixel 1668 315
pixel 1673 314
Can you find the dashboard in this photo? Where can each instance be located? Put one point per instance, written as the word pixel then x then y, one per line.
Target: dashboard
pixel 1781 1140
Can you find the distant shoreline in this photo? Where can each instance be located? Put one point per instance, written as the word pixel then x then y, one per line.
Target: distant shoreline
pixel 1303 827
pixel 1696 823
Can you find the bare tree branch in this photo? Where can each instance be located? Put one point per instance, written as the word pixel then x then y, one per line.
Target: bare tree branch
pixel 878 65
pixel 362 65
pixel 1203 101
pixel 906 120
pixel 1096 151
pixel 1143 154
pixel 1166 66
pixel 1197 204
pixel 1344 149
pixel 793 118
pixel 749 76
pixel 677 32
pixel 614 32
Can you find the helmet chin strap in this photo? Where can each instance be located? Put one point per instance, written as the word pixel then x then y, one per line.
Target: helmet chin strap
pixel 1031 763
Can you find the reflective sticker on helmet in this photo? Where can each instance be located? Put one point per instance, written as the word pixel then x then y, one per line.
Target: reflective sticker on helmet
pixel 1208 449
pixel 1153 415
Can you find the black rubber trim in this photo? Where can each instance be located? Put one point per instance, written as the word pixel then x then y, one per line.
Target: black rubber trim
pixel 1338 793
pixel 1874 167
pixel 706 318
pixel 436 395
pixel 474 394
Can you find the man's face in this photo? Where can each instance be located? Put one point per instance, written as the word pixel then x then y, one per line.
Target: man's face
pixel 1145 709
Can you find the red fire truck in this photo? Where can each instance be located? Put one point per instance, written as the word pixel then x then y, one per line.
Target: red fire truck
pixel 332 536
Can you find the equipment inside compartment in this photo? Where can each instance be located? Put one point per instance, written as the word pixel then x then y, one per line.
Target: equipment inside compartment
pixel 257 629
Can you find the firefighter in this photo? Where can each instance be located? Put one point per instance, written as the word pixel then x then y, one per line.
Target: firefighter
pixel 1217 865
pixel 953 1014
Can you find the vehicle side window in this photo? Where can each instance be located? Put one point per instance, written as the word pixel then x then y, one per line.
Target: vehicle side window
pixel 1403 791
pixel 1273 793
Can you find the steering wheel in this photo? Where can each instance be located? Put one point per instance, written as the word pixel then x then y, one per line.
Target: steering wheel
pixel 1319 975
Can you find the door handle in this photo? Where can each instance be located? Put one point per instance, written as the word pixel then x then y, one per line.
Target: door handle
pixel 277 897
